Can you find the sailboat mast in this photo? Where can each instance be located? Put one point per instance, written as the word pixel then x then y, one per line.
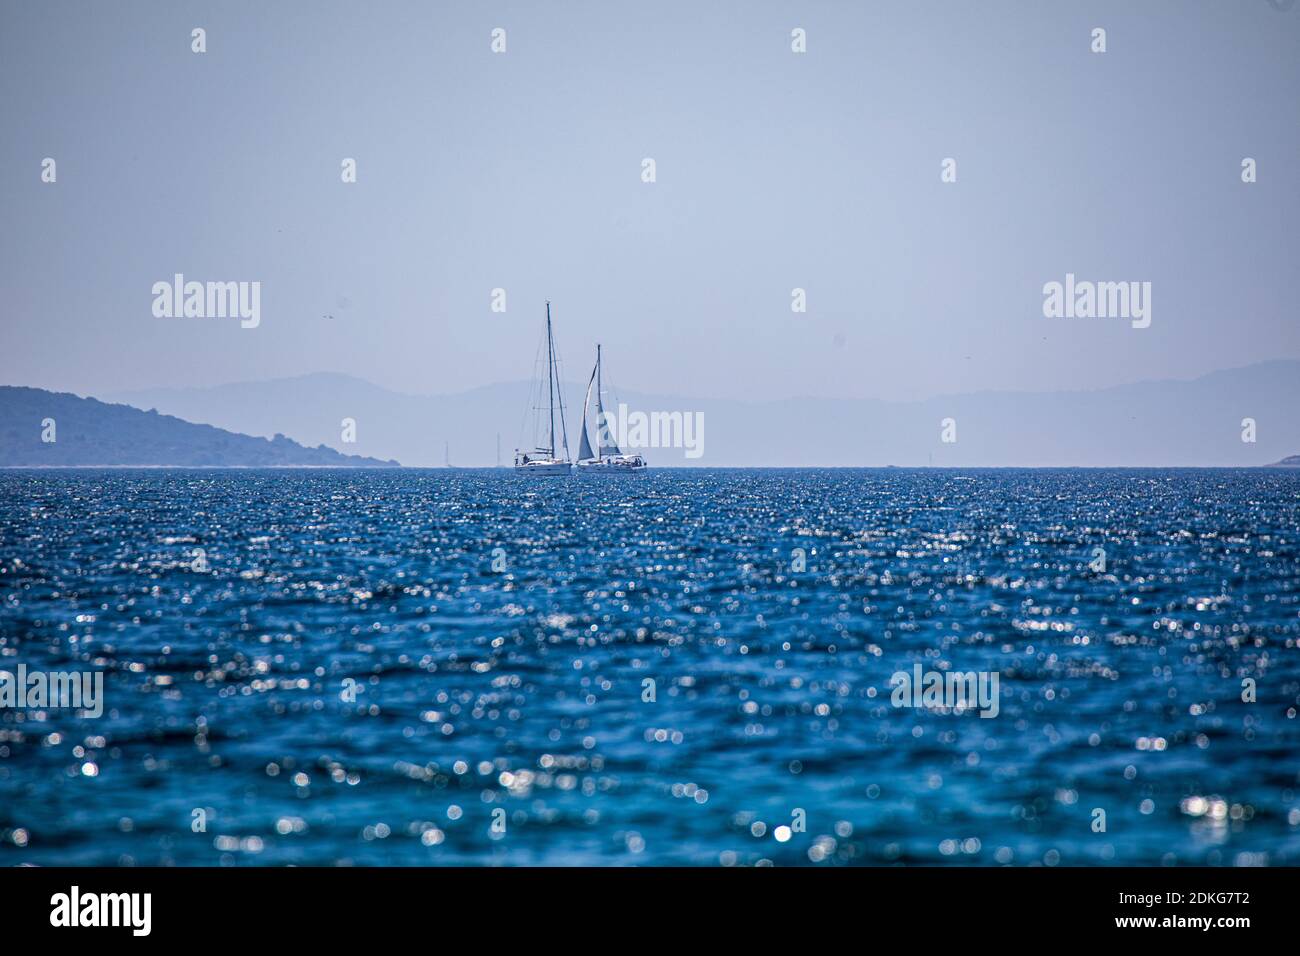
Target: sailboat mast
pixel 550 372
pixel 600 404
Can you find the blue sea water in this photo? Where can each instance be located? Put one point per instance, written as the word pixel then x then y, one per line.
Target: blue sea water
pixel 497 633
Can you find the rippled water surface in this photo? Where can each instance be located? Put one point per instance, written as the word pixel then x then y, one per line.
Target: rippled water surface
pixel 235 613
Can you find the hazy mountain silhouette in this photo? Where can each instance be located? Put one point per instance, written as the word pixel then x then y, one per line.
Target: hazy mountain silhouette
pixel 1176 422
pixel 90 432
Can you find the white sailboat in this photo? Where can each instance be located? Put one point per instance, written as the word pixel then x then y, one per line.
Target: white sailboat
pixel 543 460
pixel 608 458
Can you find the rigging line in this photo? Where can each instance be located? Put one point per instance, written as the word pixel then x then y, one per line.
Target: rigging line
pixel 550 372
pixel 534 401
pixel 564 429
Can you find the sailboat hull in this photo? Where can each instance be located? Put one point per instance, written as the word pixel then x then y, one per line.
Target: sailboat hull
pixel 612 466
pixel 544 468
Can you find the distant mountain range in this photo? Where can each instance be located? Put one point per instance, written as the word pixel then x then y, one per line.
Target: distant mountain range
pixel 1159 423
pixel 58 429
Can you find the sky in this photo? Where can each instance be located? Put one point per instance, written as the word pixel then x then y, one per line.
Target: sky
pixel 523 170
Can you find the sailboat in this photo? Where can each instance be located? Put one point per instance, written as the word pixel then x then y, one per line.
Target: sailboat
pixel 542 460
pixel 608 458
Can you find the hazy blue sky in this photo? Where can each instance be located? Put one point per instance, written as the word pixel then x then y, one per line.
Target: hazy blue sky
pixel 523 170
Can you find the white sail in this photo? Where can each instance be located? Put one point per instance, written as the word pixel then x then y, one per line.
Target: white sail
pixel 603 436
pixel 584 446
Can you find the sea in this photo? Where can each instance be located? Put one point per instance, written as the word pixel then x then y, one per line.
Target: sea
pixel 687 666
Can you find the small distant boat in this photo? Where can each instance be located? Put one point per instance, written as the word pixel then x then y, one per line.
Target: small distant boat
pixel 608 458
pixel 543 460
